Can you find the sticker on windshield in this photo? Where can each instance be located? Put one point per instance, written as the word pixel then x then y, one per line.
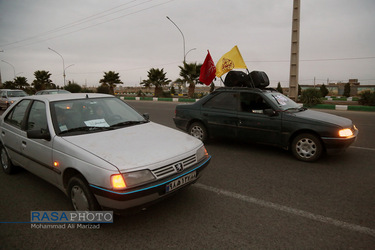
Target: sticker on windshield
pixel 97 123
pixel 281 99
pixel 63 128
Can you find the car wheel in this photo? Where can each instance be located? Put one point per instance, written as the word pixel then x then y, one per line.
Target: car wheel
pixel 80 196
pixel 307 147
pixel 198 130
pixel 5 162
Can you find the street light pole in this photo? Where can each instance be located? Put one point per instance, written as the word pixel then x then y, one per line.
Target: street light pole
pixel 66 68
pixel 14 70
pixel 63 63
pixel 183 37
pixel 189 51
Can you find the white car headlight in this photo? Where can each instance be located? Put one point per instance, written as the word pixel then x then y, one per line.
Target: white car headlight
pixel 138 177
pixel 201 153
pixel 345 132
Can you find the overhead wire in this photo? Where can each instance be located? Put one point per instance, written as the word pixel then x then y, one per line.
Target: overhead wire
pixel 82 21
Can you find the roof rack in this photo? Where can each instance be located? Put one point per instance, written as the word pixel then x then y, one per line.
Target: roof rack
pixel 244 88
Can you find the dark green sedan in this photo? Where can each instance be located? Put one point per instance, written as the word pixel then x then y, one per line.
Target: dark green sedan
pixel 268 117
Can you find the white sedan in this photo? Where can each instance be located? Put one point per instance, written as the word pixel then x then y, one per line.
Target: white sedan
pixel 98 150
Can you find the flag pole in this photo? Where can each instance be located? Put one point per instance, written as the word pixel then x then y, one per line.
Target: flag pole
pixel 251 80
pixel 222 80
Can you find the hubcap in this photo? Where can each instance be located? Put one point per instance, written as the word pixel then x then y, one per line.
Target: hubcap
pixel 306 148
pixel 79 199
pixel 197 132
pixel 4 159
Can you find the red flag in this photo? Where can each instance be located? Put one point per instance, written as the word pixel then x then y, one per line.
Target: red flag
pixel 208 70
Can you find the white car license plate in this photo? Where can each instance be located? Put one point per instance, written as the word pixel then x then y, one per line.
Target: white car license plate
pixel 181 181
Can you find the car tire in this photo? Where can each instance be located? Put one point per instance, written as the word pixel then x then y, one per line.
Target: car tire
pixel 307 147
pixel 80 195
pixel 199 131
pixel 6 163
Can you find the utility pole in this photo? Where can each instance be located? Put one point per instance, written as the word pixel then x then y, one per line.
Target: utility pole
pixel 294 55
pixel 1 83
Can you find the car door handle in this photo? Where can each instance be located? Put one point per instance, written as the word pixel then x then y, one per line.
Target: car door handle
pixel 23 144
pixel 205 114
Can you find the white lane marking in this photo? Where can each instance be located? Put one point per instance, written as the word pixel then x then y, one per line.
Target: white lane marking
pixel 290 210
pixel 372 149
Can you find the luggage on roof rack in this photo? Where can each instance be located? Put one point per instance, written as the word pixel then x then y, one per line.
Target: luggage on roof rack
pixel 255 79
pixel 260 79
pixel 237 79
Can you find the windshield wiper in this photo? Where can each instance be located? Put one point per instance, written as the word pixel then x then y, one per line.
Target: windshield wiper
pixel 85 129
pixel 291 109
pixel 127 123
pixel 296 109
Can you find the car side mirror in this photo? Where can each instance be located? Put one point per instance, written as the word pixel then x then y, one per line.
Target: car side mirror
pixel 39 134
pixel 270 112
pixel 146 116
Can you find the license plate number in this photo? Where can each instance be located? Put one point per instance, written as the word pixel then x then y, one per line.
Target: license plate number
pixel 181 181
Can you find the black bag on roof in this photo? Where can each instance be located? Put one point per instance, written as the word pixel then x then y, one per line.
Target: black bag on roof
pixel 237 79
pixel 260 79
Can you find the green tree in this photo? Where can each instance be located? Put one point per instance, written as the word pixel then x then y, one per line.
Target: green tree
pixel 42 80
pixel 323 90
pixel 157 78
pixel 9 85
pixel 279 88
pixel 104 89
pixel 367 98
pixel 173 91
pixel 110 79
pixel 347 90
pixel 189 73
pixel 311 97
pixel 21 82
pixel 73 87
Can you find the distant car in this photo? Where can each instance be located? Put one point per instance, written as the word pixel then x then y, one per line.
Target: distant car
pixel 9 96
pixel 52 91
pixel 98 150
pixel 268 117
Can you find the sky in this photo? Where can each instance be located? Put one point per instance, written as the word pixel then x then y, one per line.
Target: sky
pixel 90 37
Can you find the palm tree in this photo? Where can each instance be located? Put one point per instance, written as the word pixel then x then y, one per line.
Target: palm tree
pixel 42 80
pixel 157 78
pixel 190 74
pixel 21 82
pixel 110 79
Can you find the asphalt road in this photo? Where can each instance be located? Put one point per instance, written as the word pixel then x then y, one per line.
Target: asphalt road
pixel 250 197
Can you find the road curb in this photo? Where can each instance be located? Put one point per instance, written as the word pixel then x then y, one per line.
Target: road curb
pixel 318 106
pixel 344 107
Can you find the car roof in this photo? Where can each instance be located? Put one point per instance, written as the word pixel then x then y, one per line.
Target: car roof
pixel 245 89
pixel 12 90
pixel 70 96
pixel 52 90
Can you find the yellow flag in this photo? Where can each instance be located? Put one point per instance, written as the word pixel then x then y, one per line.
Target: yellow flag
pixel 230 60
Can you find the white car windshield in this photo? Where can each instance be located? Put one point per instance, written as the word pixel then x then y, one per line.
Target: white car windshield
pixel 72 117
pixel 16 93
